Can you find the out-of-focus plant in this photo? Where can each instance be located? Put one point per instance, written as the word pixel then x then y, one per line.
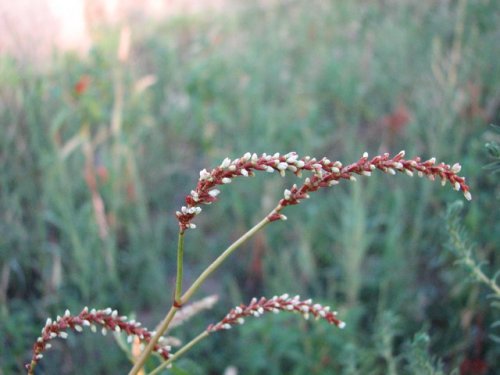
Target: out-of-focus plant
pixel 323 173
pixel 465 250
pixel 418 359
pixel 494 151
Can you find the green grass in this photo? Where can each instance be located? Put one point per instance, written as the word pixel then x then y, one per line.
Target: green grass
pixel 311 76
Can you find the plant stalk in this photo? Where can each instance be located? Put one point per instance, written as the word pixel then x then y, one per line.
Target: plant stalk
pixel 182 351
pixel 149 348
pixel 180 256
pixel 160 330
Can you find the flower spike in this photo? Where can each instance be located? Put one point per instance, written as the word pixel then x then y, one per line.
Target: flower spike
pixel 275 305
pixel 108 319
pixel 364 167
pixel 324 173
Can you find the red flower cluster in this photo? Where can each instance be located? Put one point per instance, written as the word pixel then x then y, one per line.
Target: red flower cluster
pixel 275 305
pixel 82 85
pixel 324 173
pixel 108 319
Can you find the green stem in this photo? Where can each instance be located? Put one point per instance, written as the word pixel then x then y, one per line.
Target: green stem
pixel 149 348
pixel 483 278
pixel 183 350
pixel 216 263
pixel 180 256
pixel 160 330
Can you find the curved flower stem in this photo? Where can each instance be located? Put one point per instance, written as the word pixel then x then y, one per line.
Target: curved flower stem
pixel 170 315
pixel 149 348
pixel 178 302
pixel 182 351
pixel 180 256
pixel 216 263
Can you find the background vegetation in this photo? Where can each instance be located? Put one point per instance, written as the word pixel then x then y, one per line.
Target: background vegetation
pixel 320 78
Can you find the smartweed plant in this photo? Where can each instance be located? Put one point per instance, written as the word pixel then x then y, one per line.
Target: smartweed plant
pixel 322 173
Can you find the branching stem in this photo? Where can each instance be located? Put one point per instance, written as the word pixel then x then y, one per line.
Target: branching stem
pixel 181 352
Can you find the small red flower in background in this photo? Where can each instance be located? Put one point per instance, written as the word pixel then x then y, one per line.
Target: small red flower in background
pixel 473 366
pixel 396 121
pixel 103 173
pixel 82 85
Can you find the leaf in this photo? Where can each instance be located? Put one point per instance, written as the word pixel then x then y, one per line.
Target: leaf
pixel 495 127
pixel 494 166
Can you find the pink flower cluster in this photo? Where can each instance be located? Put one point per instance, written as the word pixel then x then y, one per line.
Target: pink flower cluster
pixel 324 173
pixel 329 174
pixel 107 319
pixel 275 305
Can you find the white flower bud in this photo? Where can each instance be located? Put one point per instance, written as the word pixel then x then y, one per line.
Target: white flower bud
pixel 282 166
pixel 398 165
pixel 215 192
pixel 456 168
pixel 287 194
pixel 226 163
pixel 204 174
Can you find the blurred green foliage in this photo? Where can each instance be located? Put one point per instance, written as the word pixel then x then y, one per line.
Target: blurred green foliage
pixel 322 78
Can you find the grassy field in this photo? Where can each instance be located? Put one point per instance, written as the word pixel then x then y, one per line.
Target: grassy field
pixel 97 154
